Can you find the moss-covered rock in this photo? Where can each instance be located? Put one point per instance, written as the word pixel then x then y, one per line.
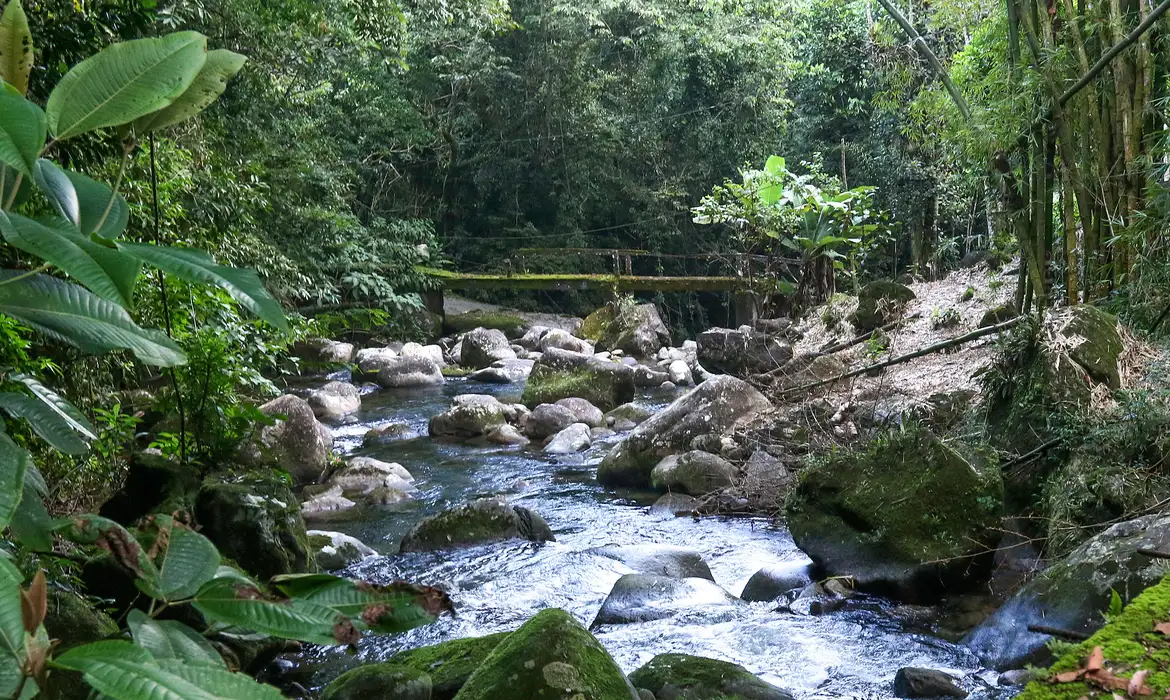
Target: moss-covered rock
pixel 450 663
pixel 296 442
pixel 480 347
pixel 470 416
pixel 479 522
pixel 73 621
pixel 997 315
pixel 907 516
pixel 560 374
pixel 636 330
pixel 698 678
pixel 1129 643
pixel 714 406
pixel 1098 345
pixel 154 484
pixel 1072 593
pixel 384 681
pixel 254 519
pixel 741 351
pixel 551 657
pixel 513 326
pixel 878 303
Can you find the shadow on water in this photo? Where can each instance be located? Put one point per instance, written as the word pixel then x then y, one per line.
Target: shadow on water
pixel 851 653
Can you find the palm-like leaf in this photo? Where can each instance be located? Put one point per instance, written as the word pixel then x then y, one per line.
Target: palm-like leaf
pixel 170 639
pixel 221 65
pixel 89 205
pixel 57 403
pixel 241 605
pixel 74 315
pixel 125 81
pixel 44 421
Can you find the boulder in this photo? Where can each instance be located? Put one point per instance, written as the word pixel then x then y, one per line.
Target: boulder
pixel 1071 594
pixel 548 419
pixel 382 681
pixel 1097 344
pixel 503 372
pixel 694 472
pixel 326 504
pixel 335 401
pixel 470 416
pixel 714 406
pixel 450 663
pixel 563 340
pixel 635 413
pixel 483 346
pixel 878 303
pixel 336 550
pixel 906 517
pixel 370 360
pixel 254 519
pixel 657 560
pixel 506 435
pixel 434 353
pixel 741 351
pixel 583 411
pixel 479 522
pixel 997 315
pixel 550 657
pixel 644 597
pixel 765 474
pixel 561 374
pixel 361 475
pixel 648 377
pixel 772 582
pixel 912 682
pixel 296 442
pixel 409 370
pixel 684 676
pixel 636 330
pixel 674 505
pixel 680 373
pixel 511 324
pixel 570 440
pixel 386 434
pixel 324 351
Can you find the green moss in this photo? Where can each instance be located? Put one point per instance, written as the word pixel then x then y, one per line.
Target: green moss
pixel 551 657
pixel 604 389
pixel 498 320
pixel 698 677
pixel 455 371
pixel 384 681
pixel 1101 346
pixel 478 522
pixel 597 324
pixel 878 302
pixel 451 663
pixel 1129 643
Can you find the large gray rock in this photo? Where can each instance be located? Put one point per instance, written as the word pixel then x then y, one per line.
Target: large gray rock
pixel 772 582
pixel 531 338
pixel 296 442
pixel 878 303
pixel 583 411
pixel 1097 344
pixel 470 416
pixel 337 550
pixel 434 353
pixel 643 597
pixel 1072 593
pixel 638 331
pixel 483 346
pixel 478 522
pixel 913 682
pixel 326 504
pixel 370 360
pixel 742 351
pixel 325 351
pixel 685 677
pixel 906 517
pixel 714 406
pixel 409 370
pixel 335 401
pixel 503 372
pixel 563 340
pixel 561 374
pixel 362 475
pixel 694 473
pixel 548 419
pixel 657 560
pixel 570 440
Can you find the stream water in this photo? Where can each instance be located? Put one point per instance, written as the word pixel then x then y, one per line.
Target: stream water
pixel 854 652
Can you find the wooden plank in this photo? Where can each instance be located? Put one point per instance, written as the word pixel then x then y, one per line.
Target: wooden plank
pixel 565 282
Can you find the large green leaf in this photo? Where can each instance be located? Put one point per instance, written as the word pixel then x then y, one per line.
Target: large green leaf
pixel 196 266
pixel 388 609
pixel 11 629
pixel 14 191
pixel 22 132
pixel 16 47
pixel 74 315
pixel 14 465
pixel 242 605
pixel 67 411
pixel 107 272
pixel 44 421
pixel 220 67
pixel 31 525
pixel 190 561
pixel 221 682
pixel 170 639
pixel 123 671
pixel 90 205
pixel 125 81
pixel 110 537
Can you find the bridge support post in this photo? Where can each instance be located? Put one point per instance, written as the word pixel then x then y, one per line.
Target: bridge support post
pixel 433 301
pixel 746 309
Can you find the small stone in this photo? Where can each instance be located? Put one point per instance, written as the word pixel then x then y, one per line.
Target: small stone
pixel 925 683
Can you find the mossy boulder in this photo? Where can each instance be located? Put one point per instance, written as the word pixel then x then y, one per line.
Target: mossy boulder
pixel 254 519
pixel 997 315
pixel 512 325
pixel 1072 593
pixel 907 516
pixel 384 681
pixel 479 522
pixel 470 416
pixel 72 621
pixel 636 330
pixel 712 407
pixel 551 657
pixel 1129 644
pixel 296 442
pixel 561 374
pixel 450 663
pixel 697 678
pixel 1098 344
pixel 694 473
pixel 742 351
pixel 878 303
pixel 480 347
pixel 154 484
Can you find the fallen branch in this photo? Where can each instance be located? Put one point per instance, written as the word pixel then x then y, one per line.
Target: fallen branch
pixel 866 336
pixel 1058 632
pixel 928 350
pixel 1030 455
pixel 1153 553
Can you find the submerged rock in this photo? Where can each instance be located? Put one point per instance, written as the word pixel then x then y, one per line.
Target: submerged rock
pixel 714 406
pixel 383 681
pixel 684 676
pixel 386 434
pixel 409 370
pixel 693 472
pixel 643 597
pixel 483 346
pixel 451 663
pixel 296 442
pixel 657 560
pixel 471 415
pixel 572 439
pixel 551 656
pixel 506 435
pixel 337 550
pixel 1071 594
pixel 561 374
pixel 925 683
pixel 907 517
pixel 479 522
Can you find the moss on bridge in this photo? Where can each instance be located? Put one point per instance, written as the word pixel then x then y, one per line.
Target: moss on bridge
pixel 622 283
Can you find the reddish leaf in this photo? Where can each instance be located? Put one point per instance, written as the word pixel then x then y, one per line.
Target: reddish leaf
pixel 1136 684
pixel 1096 660
pixel 1163 628
pixel 34 603
pixel 1068 676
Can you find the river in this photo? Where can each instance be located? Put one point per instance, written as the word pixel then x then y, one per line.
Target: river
pixel 853 652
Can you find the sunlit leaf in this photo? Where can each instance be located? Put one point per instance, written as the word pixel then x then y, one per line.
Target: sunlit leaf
pixel 221 65
pixel 89 205
pixel 16 47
